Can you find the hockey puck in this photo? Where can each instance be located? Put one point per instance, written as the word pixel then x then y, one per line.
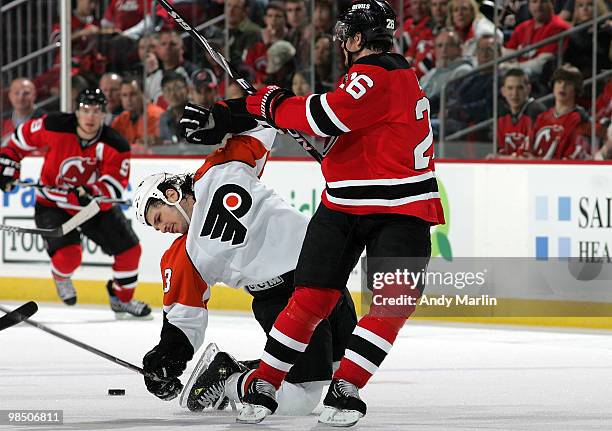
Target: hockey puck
pixel 116 391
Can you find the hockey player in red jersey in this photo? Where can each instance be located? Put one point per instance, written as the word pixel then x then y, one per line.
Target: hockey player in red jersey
pixel 84 159
pixel 236 231
pixel 381 195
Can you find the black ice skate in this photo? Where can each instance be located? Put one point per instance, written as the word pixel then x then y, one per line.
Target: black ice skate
pixel 209 387
pixel 65 290
pixel 342 406
pixel 259 401
pixel 127 310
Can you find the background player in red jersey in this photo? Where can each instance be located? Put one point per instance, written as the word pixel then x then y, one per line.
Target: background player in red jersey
pixel 381 195
pixel 84 159
pixel 519 113
pixel 561 132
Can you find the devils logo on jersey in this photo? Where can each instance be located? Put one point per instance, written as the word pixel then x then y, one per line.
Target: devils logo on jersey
pixel 77 171
pixel 229 203
pixel 547 140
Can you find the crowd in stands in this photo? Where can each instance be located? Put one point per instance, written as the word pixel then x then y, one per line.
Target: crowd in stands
pixel 148 71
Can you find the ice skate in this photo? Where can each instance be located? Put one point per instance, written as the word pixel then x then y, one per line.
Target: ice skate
pixel 342 406
pixel 127 310
pixel 208 387
pixel 258 402
pixel 65 290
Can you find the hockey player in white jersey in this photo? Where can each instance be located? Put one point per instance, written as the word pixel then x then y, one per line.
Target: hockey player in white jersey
pixel 236 231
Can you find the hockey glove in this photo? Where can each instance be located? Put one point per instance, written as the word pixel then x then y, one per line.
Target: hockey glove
pixel 208 126
pixel 162 374
pixel 9 172
pixel 266 101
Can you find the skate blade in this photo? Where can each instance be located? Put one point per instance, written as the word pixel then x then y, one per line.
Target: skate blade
pixel 207 357
pixel 339 418
pixel 252 414
pixel 128 316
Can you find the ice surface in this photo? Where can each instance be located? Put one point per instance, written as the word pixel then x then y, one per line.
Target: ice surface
pixel 437 377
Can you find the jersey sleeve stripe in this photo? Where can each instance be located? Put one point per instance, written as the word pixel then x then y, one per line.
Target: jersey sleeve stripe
pixel 112 182
pixel 20 141
pixel 311 122
pixel 321 118
pixel 332 115
pixel 191 320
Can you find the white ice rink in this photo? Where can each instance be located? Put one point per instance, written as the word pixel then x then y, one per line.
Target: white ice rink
pixel 437 377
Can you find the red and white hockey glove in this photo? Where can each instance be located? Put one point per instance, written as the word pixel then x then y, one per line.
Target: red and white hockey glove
pixel 266 101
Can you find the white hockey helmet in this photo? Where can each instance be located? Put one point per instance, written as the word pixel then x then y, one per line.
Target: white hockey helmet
pixel 149 189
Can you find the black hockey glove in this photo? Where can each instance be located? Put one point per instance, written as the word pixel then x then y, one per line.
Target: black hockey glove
pixel 208 126
pixel 266 101
pixel 162 374
pixel 80 195
pixel 9 172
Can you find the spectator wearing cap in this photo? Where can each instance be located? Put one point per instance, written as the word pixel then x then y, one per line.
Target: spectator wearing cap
pixel 281 64
pixel 275 29
pixel 242 31
pixel 131 122
pixel 170 52
pixel 205 86
pixel 110 84
pixel 22 96
pixel 176 92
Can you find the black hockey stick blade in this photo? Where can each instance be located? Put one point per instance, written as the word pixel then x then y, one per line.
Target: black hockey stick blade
pixel 221 61
pixel 18 315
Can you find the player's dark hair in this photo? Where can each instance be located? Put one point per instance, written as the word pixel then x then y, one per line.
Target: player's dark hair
pixel 570 74
pixel 184 183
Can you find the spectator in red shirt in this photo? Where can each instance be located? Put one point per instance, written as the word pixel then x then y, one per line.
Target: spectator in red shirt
pixel 275 20
pixel 517 115
pixel 560 132
pixel 22 95
pixel 418 34
pixel 544 24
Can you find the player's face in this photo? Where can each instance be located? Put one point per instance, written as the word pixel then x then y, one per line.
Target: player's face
pixel 516 91
pixel 564 92
pixel 89 119
pixel 166 219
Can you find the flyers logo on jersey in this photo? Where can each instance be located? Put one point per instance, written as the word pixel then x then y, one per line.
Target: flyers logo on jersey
pixel 77 171
pixel 229 203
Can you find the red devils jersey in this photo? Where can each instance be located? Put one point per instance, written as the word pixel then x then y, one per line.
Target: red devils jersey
pixel 102 163
pixel 513 130
pixel 379 155
pixel 559 137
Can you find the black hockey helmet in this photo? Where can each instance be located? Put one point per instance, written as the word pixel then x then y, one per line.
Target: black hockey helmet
pixel 91 96
pixel 374 19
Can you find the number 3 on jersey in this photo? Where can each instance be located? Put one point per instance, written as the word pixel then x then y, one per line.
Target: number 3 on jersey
pixel 167 277
pixel 421 161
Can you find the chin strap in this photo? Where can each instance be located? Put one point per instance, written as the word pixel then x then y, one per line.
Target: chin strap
pixel 178 206
pixel 182 211
pixel 351 53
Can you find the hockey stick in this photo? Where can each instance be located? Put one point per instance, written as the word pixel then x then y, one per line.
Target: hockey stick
pixel 60 189
pixel 77 343
pixel 17 315
pixel 75 221
pixel 221 61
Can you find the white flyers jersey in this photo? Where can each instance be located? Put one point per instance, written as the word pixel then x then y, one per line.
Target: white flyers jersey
pixel 241 232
